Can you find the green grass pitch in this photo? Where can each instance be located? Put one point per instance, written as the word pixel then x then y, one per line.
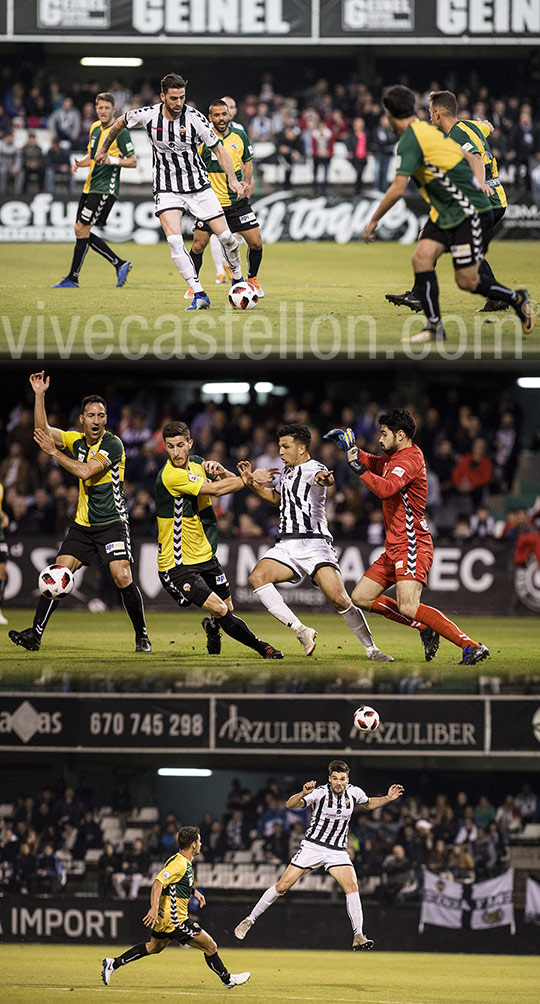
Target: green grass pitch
pixel 101 646
pixel 315 294
pixel 54 973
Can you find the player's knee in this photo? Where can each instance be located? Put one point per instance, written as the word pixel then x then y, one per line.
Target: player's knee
pixel 211 947
pixel 122 577
pixel 220 608
pixel 281 888
pixel 465 281
pixel 359 600
pixel 407 607
pixel 256 579
pixel 176 244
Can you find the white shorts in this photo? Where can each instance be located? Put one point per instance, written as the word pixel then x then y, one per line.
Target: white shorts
pixel 310 855
pixel 304 556
pixel 203 205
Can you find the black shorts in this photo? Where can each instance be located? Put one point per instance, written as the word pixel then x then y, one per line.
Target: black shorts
pixel 3 551
pixel 188 930
pixel 239 217
pixel 110 542
pixel 196 582
pixel 468 242
pixel 94 208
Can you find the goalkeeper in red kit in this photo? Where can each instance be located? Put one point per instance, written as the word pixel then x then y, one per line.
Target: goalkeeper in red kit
pixel 399 479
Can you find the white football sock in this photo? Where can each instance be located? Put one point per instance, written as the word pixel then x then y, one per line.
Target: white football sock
pixel 273 601
pixel 354 909
pixel 217 254
pixel 231 253
pixel 265 901
pixel 183 262
pixel 356 621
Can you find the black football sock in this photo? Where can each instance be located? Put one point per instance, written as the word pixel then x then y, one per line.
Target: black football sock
pixel 3 584
pixel 131 955
pixel 254 256
pixel 44 610
pixel 216 965
pixel 493 290
pixel 484 271
pixel 214 623
pixel 97 244
pixel 196 257
pixel 79 254
pixel 236 628
pixel 427 291
pixel 133 605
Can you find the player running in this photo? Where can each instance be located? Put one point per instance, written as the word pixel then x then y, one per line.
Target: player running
pixel 238 211
pixel 100 192
pixel 4 523
pixel 472 137
pixel 187 533
pixel 304 545
pixel 325 845
pixel 168 915
pixel 460 217
pixel 101 528
pixel 180 176
pixel 399 479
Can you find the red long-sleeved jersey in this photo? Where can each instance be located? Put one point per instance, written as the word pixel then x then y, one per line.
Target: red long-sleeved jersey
pixel 400 481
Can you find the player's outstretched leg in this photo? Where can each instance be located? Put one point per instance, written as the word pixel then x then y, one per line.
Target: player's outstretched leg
pixel 109 966
pixel 213 635
pixel 274 603
pixel 430 617
pixel 216 251
pixel 30 638
pixel 236 628
pixel 133 605
pixel 268 897
pixel 329 579
pixel 407 299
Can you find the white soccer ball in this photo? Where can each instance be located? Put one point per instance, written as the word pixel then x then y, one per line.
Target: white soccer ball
pixel 55 581
pixel 243 296
pixel 366 719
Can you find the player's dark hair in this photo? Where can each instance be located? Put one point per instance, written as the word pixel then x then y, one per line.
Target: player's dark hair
pixel 92 399
pixel 339 766
pixel 171 429
pixel 399 101
pixel 187 835
pixel 299 432
pixel 172 80
pixel 399 418
pixel 445 100
pixel 216 102
pixel 105 96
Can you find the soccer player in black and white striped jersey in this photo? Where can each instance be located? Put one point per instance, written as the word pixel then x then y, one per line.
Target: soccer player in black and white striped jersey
pixel 180 179
pixel 325 844
pixel 304 543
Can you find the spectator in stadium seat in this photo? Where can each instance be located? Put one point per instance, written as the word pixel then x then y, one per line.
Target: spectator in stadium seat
pixel 108 865
pixel 484 854
pixel 447 828
pixel 508 817
pixel 48 873
pixel 467 832
pixel 481 523
pixel 90 836
pixel 215 848
pixel 505 452
pixel 524 150
pixel 290 149
pixel 322 148
pixel 236 833
pixel 33 163
pixel 473 474
pixel 397 871
pixel 357 150
pixel 10 165
pixel 437 861
pixel 484 812
pixel 24 869
pixel 132 871
pixel 66 123
pixel 57 166
pixel 260 127
pixel 461 864
pixel 527 803
pixel 67 809
pixel 381 143
pixel 275 846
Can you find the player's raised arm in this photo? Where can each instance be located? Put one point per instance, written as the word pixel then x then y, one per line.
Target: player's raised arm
pixel 265 492
pixel 394 791
pixel 358 460
pixel 40 384
pixel 114 131
pixel 297 801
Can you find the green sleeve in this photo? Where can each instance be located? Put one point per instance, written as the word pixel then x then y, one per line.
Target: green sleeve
pixel 125 143
pixel 248 153
pixel 409 153
pixel 465 141
pixel 111 447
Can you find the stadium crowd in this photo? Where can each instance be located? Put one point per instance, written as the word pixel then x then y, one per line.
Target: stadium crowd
pixel 41 835
pixel 303 126
pixel 472 445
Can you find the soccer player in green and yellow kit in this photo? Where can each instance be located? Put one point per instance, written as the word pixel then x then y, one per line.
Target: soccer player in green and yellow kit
pixel 187 533
pixel 4 522
pixel 168 915
pixel 460 218
pixel 472 137
pixel 238 211
pixel 100 192
pixel 101 528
